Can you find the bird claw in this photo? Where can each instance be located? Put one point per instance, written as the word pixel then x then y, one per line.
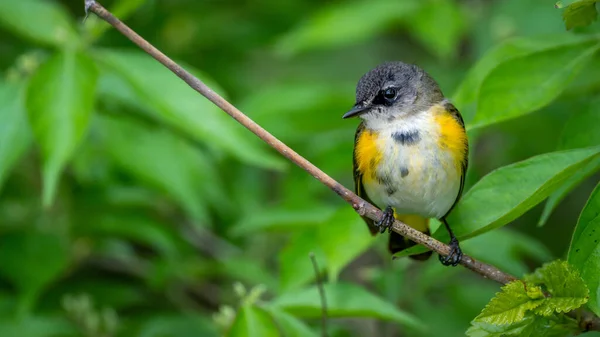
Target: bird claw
pixel 386 221
pixel 455 255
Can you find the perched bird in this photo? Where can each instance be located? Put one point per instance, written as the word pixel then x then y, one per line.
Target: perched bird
pixel 410 152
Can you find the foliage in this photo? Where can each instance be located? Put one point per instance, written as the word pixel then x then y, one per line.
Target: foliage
pixel 131 206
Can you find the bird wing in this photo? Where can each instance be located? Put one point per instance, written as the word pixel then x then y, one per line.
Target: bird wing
pixel 452 110
pixel 359 189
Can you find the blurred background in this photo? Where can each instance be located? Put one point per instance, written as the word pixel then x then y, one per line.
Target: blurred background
pixel 163 217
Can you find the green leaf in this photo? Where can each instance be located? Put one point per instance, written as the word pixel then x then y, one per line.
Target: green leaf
pixel 344 300
pixel 160 93
pixel 584 252
pixel 31 261
pixel 180 325
pixel 281 219
pixel 439 25
pixel 15 135
pixel 164 161
pixel 580 13
pixel 60 97
pixel 530 326
pixel 467 93
pixel 336 242
pixel 528 83
pixel 510 305
pixel 580 131
pixel 41 21
pixel 289 325
pixel 335 26
pixel 37 326
pixel 121 9
pixel 252 321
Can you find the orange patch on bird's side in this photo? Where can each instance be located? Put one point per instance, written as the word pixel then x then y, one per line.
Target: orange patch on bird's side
pixel 367 154
pixel 453 136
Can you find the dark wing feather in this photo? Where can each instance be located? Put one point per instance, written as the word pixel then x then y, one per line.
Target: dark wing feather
pixel 359 189
pixel 456 114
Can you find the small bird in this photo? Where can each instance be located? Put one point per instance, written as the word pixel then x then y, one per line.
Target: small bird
pixel 410 152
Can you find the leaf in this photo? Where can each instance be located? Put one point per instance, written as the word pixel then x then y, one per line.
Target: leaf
pixel 579 132
pixel 531 326
pixel 252 321
pixel 344 300
pixel 528 83
pixel 580 13
pixel 15 135
pixel 335 242
pixel 510 305
pixel 60 97
pixel 150 86
pixel 281 219
pixel 180 325
pixel 36 326
pixel 121 9
pixel 467 94
pixel 289 325
pixel 166 162
pixel 31 261
pixel 41 21
pixel 584 252
pixel 344 24
pixel 439 25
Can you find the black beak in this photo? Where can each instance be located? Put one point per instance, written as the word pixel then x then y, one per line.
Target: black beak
pixel 357 110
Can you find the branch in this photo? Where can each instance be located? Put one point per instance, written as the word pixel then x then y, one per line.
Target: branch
pixel 362 207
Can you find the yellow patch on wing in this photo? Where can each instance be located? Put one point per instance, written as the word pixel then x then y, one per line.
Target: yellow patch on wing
pixel 367 154
pixel 452 135
pixel 415 221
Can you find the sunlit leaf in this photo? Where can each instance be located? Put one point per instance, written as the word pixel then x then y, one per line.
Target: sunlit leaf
pixel 168 99
pixel 344 300
pixel 579 13
pixel 531 326
pixel 584 252
pixel 510 305
pixel 157 157
pixel 41 21
pixel 525 84
pixel 252 321
pixel 15 135
pixel 344 24
pixel 60 97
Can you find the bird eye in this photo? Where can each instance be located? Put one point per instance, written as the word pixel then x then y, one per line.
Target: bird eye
pixel 389 93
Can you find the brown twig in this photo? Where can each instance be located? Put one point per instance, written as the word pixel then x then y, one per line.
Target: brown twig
pixel 587 320
pixel 362 207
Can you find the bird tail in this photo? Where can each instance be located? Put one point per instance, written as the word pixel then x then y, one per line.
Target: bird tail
pixel 398 242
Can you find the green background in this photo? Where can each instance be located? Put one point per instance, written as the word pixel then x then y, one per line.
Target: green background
pixel 130 206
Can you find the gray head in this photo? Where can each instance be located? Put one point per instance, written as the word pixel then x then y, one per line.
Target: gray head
pixel 392 90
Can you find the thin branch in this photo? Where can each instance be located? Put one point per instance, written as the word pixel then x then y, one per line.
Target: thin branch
pixel 588 321
pixel 362 207
pixel 321 294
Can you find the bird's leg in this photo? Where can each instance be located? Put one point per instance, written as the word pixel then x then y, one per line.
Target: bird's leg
pixel 452 259
pixel 387 220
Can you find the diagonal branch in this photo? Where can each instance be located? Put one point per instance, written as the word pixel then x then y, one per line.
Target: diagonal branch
pixel 362 207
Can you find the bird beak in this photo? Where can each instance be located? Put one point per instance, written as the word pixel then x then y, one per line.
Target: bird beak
pixel 357 110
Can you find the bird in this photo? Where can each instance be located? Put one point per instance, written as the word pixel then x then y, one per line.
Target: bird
pixel 410 153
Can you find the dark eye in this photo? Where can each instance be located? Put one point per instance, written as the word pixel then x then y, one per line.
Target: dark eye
pixel 390 93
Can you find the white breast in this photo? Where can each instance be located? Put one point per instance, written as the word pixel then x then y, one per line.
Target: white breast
pixel 416 177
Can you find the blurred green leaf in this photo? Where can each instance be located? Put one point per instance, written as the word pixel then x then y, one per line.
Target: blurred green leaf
pixel 584 252
pixel 177 325
pixel 579 13
pixel 439 25
pixel 159 158
pixel 580 131
pixel 168 99
pixel 336 242
pixel 344 300
pixel 15 135
pixel 281 219
pixel 468 92
pixel 290 326
pixel 510 305
pixel 252 321
pixel 513 189
pixel 37 326
pixel 344 24
pixel 30 261
pixel 41 21
pixel 60 98
pixel 527 83
pixel 121 9
pixel 566 288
